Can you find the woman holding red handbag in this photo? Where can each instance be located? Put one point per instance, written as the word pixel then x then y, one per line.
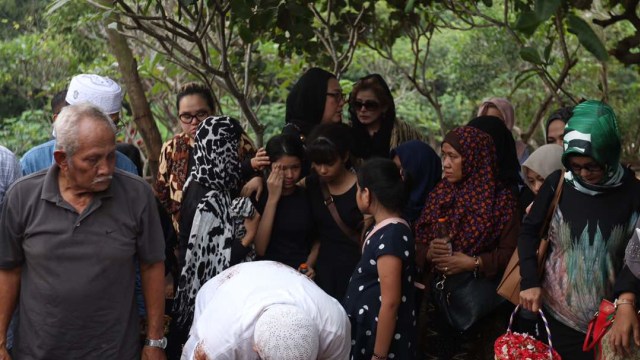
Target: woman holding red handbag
pixel 588 233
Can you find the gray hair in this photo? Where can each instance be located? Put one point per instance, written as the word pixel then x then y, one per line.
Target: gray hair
pixel 66 125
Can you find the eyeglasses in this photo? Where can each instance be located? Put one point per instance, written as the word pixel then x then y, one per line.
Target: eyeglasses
pixel 589 168
pixel 188 118
pixel 368 105
pixel 338 95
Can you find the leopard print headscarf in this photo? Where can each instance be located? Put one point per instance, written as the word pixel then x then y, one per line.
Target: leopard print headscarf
pixel 217 166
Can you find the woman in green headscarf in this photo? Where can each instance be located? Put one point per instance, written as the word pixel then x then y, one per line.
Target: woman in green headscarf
pixel 588 233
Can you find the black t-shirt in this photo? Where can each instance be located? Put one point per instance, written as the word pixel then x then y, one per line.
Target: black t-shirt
pixel 329 233
pixel 338 253
pixel 291 234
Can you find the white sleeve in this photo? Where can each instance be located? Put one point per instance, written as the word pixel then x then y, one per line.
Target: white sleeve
pixel 337 341
pixel 202 299
pixel 189 348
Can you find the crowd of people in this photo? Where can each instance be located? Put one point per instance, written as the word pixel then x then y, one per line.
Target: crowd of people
pixel 337 240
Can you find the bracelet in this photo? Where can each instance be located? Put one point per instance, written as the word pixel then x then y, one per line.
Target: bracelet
pixel 476 269
pixel 379 357
pixel 624 302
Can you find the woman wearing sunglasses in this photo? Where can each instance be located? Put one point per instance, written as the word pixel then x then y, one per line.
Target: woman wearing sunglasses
pixel 376 130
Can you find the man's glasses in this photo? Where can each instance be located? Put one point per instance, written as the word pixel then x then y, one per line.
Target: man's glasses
pixel 368 105
pixel 188 118
pixel 590 168
pixel 338 95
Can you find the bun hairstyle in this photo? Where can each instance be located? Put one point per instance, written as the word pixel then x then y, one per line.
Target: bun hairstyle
pixel 285 145
pixel 382 178
pixel 328 143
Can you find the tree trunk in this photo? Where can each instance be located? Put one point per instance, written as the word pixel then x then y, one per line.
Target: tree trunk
pixel 142 115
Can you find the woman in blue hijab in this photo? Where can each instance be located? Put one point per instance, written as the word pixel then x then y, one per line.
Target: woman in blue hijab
pixel 421 169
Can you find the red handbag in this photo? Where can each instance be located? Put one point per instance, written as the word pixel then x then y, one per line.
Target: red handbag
pixel 599 325
pixel 515 346
pixel 597 331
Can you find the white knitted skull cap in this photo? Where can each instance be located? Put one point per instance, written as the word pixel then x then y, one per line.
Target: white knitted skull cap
pixel 98 90
pixel 285 332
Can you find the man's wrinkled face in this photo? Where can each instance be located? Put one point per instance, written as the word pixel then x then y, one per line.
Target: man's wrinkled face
pixel 92 165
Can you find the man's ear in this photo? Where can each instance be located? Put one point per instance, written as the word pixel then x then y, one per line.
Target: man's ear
pixel 61 158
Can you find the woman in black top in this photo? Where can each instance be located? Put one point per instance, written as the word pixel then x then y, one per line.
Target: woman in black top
pixel 338 249
pixel 588 233
pixel 315 99
pixel 286 225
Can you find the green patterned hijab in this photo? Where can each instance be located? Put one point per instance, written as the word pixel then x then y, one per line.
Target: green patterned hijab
pixel 593 131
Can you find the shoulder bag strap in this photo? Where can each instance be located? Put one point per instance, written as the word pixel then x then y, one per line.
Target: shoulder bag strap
pixel 331 206
pixel 552 206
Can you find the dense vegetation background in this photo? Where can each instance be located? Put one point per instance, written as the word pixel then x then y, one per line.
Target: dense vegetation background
pixel 441 58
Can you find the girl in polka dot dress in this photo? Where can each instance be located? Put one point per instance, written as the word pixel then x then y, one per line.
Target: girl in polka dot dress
pixel 379 298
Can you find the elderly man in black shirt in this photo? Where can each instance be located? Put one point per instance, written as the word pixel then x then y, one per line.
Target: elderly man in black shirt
pixel 69 237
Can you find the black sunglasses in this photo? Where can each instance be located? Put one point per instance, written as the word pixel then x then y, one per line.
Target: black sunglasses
pixel 369 105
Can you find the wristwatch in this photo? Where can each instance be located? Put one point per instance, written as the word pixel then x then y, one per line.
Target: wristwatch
pixel 160 343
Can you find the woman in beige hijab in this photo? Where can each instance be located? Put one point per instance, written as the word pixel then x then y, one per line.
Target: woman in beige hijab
pixel 542 162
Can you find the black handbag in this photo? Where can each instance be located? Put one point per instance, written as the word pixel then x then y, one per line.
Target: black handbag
pixel 464 299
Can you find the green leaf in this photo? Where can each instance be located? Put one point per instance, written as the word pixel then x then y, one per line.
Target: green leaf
pixel 246 34
pixel 587 37
pixel 146 7
pixel 527 22
pixel 524 77
pixel 531 55
pixel 546 8
pixel 56 5
pixel 106 15
pixel 487 3
pixel 547 51
pixel 409 6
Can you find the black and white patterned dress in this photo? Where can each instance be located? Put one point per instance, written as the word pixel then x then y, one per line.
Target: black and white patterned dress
pixel 363 299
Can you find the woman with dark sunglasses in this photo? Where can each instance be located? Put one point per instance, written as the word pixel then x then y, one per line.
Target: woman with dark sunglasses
pixel 376 130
